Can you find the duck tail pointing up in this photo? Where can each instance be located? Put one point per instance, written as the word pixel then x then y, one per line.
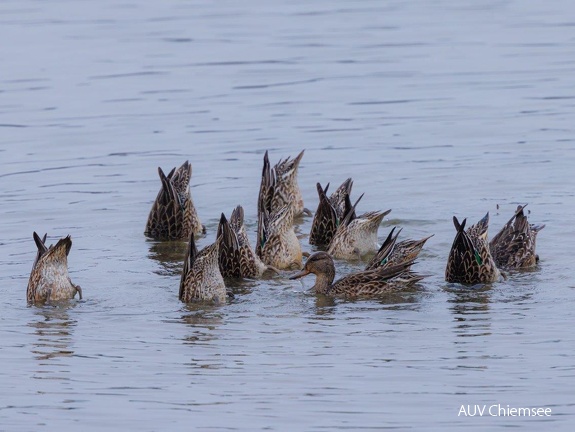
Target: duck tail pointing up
pixel 459 226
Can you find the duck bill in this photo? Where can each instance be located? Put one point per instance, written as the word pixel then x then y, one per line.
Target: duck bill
pixel 300 274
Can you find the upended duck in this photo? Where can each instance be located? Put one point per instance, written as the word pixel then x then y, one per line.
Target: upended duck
pixel 356 236
pixel 201 277
pixel 173 215
pixel 364 283
pixel 236 256
pixel 330 212
pixel 49 279
pixel 391 253
pixel 470 261
pixel 279 186
pixel 277 243
pixel 514 246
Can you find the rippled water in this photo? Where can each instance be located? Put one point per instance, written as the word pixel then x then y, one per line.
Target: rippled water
pixel 435 108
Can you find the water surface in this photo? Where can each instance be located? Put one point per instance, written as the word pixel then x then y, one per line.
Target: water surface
pixel 433 108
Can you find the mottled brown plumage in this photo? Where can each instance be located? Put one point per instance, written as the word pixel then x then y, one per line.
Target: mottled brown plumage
pixel 330 212
pixel 356 237
pixel 267 187
pixel 279 186
pixel 470 261
pixel 201 277
pixel 236 256
pixel 278 245
pixel 49 279
pixel 365 283
pixel 173 215
pixel 391 253
pixel 514 246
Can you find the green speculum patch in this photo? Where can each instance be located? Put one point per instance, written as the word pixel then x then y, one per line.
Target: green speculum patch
pixel 478 258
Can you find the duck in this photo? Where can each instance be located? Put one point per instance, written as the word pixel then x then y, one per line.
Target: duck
pixel 279 186
pixel 173 215
pixel 277 243
pixel 391 253
pixel 514 246
pixel 49 278
pixel 237 259
pixel 356 236
pixel 201 279
pixel 365 283
pixel 470 261
pixel 330 211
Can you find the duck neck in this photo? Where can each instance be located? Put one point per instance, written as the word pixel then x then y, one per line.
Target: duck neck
pixel 324 280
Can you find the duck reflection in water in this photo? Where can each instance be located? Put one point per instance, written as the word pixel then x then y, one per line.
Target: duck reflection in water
pixel 472 321
pixel 54 330
pixel 203 322
pixel 202 316
pixel 170 255
pixel 471 311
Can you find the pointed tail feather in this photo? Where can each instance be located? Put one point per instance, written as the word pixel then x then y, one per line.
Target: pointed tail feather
pixel 383 253
pixel 237 218
pixel 350 215
pixel 226 235
pixel 459 226
pixel 191 254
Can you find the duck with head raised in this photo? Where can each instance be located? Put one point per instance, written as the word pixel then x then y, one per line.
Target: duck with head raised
pixel 173 215
pixel 364 283
pixel 49 279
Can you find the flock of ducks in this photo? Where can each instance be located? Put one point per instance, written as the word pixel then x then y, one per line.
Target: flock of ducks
pixel 337 231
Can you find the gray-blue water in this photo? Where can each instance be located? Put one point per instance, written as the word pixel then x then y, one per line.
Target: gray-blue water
pixel 435 108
